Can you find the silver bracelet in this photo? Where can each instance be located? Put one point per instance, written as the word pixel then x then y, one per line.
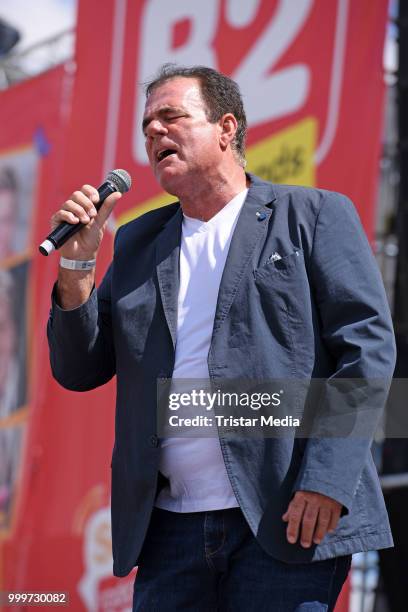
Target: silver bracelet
pixel 75 264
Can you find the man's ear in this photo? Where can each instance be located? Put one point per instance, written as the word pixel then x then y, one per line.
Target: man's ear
pixel 228 127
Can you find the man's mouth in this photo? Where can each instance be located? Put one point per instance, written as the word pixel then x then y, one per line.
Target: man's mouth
pixel 164 153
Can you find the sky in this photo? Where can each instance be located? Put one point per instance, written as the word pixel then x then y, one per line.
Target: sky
pixel 38 20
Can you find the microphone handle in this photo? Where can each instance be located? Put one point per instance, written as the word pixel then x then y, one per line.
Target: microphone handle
pixel 64 231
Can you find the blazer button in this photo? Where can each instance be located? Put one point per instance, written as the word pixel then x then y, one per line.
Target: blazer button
pixel 154 441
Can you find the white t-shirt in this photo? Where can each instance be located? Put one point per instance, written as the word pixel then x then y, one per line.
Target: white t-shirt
pixel 195 467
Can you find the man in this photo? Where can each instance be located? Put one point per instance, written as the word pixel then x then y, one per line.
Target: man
pixel 240 279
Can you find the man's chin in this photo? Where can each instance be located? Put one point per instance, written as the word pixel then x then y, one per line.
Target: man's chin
pixel 169 182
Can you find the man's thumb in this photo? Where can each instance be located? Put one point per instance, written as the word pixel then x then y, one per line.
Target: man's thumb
pixel 108 205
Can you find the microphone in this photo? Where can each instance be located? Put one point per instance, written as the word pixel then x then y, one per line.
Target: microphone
pixel 116 180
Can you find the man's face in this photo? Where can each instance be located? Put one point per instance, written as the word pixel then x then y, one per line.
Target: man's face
pixel 182 145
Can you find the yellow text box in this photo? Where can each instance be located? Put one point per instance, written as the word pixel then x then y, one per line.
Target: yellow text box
pixel 287 156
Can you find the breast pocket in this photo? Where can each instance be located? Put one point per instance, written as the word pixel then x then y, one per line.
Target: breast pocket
pixel 281 266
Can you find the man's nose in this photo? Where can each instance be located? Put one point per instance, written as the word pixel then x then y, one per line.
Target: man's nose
pixel 155 127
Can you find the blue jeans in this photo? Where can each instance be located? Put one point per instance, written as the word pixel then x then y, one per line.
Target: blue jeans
pixel 208 561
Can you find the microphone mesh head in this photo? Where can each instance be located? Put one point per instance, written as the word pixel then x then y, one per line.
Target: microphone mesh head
pixel 121 179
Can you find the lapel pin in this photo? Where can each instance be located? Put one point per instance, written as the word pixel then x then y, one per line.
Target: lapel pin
pixel 261 215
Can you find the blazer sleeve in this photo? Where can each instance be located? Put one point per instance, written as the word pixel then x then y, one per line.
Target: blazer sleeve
pixel 356 328
pixel 80 340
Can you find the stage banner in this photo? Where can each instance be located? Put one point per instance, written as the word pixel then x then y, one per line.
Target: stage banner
pixel 33 116
pixel 310 72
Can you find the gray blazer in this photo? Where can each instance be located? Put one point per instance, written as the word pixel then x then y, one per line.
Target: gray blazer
pixel 318 312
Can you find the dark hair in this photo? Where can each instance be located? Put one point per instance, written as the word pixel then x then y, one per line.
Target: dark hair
pixel 220 94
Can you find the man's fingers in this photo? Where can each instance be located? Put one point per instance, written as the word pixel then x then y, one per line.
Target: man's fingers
pixel 81 207
pixel 313 514
pixel 323 523
pixel 91 193
pixel 308 524
pixel 80 198
pixel 63 215
pixel 78 210
pixel 335 515
pixel 294 517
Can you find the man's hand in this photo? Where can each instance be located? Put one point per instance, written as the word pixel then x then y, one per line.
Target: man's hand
pixel 79 208
pixel 312 515
pixel 74 286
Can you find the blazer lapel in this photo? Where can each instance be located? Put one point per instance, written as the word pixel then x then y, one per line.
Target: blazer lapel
pixel 167 267
pixel 251 226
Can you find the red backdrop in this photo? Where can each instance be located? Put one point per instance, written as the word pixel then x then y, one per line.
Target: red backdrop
pixel 312 83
